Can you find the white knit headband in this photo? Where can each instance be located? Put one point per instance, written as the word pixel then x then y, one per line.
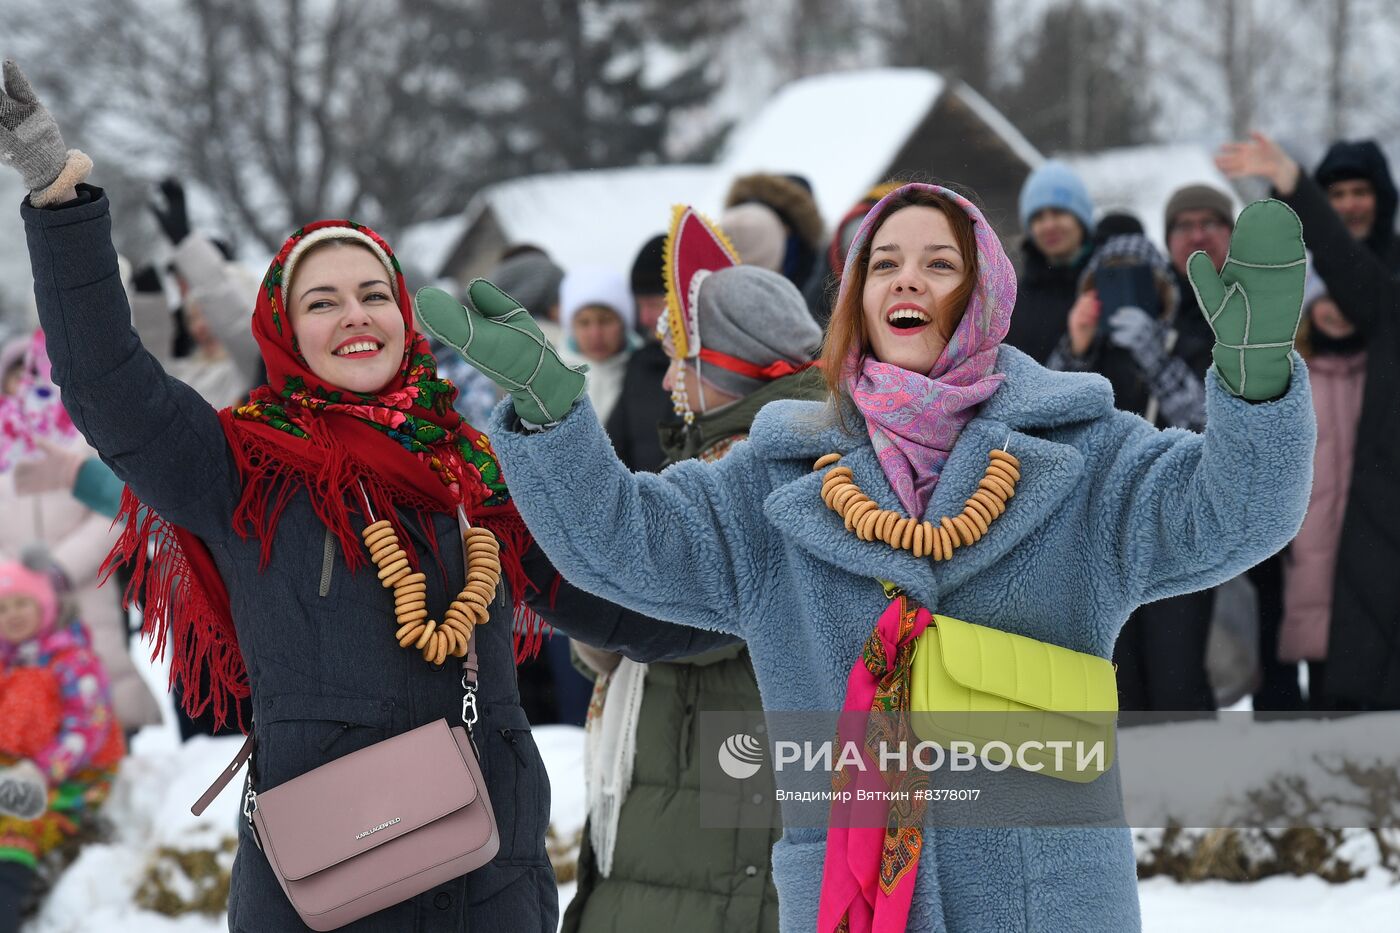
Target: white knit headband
pixel 334 233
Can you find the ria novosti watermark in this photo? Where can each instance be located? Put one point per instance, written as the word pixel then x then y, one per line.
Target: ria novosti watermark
pixel 741 755
pixel 1030 755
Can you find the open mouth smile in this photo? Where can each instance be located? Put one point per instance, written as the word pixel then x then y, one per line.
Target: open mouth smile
pixel 358 348
pixel 907 318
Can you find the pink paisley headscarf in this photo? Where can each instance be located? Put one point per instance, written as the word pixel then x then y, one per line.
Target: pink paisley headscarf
pixel 915 418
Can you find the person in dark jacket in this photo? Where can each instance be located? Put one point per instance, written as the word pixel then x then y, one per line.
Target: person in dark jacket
pixel 1058 218
pixel 1348 214
pixel 643 406
pixel 1357 180
pixel 1202 217
pixel 632 875
pixel 1135 350
pixel 1161 651
pixel 257 513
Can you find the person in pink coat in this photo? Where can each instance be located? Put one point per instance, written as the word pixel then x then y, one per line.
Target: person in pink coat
pixel 1336 359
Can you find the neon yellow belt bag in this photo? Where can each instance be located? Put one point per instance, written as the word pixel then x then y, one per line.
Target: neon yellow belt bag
pixel 981 685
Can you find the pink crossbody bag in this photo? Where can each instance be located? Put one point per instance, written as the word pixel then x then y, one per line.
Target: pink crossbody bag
pixel 377 826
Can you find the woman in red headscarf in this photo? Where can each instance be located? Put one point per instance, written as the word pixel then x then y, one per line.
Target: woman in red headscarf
pixel 245 528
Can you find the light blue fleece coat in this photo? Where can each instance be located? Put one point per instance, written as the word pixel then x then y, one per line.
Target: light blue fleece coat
pixel 1109 514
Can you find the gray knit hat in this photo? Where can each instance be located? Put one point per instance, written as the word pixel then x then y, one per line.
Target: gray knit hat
pixel 757 316
pixel 532 279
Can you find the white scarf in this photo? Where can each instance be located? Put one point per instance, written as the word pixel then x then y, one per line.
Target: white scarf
pixel 609 748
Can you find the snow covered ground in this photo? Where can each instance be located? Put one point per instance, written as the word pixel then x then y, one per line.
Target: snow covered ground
pixel 1274 905
pixel 149 809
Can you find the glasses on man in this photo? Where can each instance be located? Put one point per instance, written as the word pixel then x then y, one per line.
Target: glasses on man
pixel 1209 226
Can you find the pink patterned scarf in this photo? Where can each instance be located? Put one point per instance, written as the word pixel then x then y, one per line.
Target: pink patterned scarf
pixel 914 419
pixel 873 845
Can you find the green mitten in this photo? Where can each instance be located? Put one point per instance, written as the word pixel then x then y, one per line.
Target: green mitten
pixel 1254 304
pixel 497 336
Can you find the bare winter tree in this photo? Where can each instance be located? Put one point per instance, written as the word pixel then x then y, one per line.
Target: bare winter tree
pixel 807 37
pixel 285 110
pixel 954 37
pixel 572 84
pixel 387 111
pixel 1080 81
pixel 1236 58
pixel 1339 47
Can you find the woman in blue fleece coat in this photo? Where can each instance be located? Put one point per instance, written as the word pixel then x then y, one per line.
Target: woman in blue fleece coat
pixel 1109 513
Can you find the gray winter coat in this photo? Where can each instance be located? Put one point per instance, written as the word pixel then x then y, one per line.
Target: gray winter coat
pixel 327 677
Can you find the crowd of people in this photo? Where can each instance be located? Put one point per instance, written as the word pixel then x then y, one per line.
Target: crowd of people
pixel 662 596
pixel 1324 599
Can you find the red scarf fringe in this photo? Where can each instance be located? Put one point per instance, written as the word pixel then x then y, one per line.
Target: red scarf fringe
pixel 184 604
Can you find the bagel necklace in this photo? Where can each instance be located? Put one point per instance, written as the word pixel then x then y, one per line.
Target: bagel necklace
pixel 451 636
pixel 869 522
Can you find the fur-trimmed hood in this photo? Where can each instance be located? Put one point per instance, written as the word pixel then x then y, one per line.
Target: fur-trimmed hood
pixel 791 200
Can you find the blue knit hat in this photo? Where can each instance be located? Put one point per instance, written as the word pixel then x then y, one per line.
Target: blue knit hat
pixel 1054 184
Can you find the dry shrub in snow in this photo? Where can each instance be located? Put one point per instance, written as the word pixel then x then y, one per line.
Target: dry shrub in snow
pixel 1360 796
pixel 183 881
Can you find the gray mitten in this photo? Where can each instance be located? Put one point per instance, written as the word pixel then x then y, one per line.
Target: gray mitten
pixel 31 142
pixel 1140 334
pixel 23 793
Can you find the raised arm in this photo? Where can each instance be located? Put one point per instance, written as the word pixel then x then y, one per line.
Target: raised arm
pixel 1180 512
pixel 225 296
pixel 156 433
pixel 1356 278
pixel 683 546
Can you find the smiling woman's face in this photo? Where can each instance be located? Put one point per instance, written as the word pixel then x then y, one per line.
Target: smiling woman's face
pixel 345 319
pixel 915 266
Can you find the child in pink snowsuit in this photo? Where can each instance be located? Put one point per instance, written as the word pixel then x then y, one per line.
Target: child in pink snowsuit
pixel 59 740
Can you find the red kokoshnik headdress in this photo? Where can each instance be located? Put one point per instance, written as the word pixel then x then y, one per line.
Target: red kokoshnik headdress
pixel 406 446
pixel 694 249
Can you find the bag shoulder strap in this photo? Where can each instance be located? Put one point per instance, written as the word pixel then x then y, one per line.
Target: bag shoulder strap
pixel 224 777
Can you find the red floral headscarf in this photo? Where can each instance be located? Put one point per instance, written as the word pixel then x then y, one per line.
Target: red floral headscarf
pixel 405 446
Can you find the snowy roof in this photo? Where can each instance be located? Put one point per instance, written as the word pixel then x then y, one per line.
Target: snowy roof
pixel 1140 179
pixel 1004 128
pixel 598 217
pixel 427 245
pixel 835 130
pixel 831 130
